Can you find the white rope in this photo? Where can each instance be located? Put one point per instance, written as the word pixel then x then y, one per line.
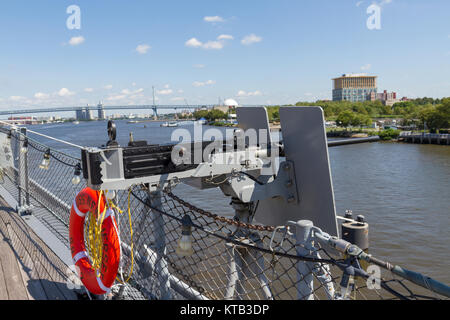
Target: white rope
pixel 46 136
pixel 345 219
pixel 55 139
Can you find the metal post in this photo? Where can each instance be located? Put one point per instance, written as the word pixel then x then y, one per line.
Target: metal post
pixel 161 266
pixel 18 164
pixel 242 259
pixel 304 269
pixel 15 152
pixel 22 173
pixel 259 269
pixel 240 273
pixel 231 272
pixel 24 168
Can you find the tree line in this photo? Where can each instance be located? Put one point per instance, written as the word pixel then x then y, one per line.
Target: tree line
pixel 210 115
pixel 433 114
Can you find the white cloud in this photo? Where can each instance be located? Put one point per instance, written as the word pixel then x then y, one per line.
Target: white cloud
pixel 366 67
pixel 217 44
pixel 16 98
pixel 164 92
pixel 128 91
pixel 199 66
pixel 143 48
pixel 225 37
pixel 64 92
pixel 213 19
pixel 41 95
pixel 198 84
pixel 202 84
pixel 75 41
pixel 180 91
pixel 177 99
pixel 250 39
pixel 88 90
pixel 108 87
pixel 116 97
pixel 242 93
pixel 214 45
pixel 194 43
pixel 359 3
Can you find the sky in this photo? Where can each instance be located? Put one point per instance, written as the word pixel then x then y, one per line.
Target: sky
pixel 200 51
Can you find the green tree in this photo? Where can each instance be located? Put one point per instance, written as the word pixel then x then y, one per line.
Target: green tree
pixel 215 114
pixel 364 120
pixel 345 118
pixel 200 114
pixel 436 117
pixel 273 113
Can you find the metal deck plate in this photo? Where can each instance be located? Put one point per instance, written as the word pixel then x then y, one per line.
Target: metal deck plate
pixel 305 144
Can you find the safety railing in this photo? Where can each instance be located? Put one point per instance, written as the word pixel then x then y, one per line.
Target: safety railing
pixel 229 259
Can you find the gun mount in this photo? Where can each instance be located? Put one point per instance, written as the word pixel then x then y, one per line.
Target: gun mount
pixel 291 178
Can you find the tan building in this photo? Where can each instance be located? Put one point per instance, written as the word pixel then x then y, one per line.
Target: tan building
pixel 354 87
pixel 222 108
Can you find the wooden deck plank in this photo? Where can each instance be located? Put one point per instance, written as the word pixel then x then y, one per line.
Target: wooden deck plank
pixel 23 273
pixel 42 273
pixel 13 281
pixel 51 270
pixel 29 274
pixel 12 275
pixel 3 292
pixel 47 289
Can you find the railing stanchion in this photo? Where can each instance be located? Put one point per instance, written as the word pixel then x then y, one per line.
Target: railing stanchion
pixel 161 266
pixel 231 272
pixel 25 168
pixel 305 286
pixel 22 172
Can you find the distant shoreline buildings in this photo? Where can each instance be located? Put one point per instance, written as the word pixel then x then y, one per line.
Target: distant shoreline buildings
pixel 359 87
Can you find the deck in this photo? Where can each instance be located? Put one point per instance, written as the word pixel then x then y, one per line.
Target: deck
pixel 29 270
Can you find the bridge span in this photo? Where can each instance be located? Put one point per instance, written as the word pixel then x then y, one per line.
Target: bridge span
pixel 154 108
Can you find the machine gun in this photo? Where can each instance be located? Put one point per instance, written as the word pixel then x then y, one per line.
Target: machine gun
pixel 290 179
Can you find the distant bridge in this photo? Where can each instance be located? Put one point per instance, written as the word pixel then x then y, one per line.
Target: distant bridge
pixel 154 108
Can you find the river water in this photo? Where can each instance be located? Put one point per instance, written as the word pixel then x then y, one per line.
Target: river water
pixel 403 190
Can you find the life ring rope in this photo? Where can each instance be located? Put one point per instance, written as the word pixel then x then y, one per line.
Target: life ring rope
pixel 95 248
pixel 93 221
pixel 131 240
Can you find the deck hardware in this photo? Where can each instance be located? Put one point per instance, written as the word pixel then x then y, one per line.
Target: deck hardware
pixel 46 161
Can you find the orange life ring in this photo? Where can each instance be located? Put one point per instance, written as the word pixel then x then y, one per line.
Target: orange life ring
pixel 96 281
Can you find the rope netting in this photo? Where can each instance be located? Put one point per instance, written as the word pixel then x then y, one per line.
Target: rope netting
pixel 230 259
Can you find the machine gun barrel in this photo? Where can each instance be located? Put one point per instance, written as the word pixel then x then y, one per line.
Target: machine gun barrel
pixel 343 142
pixel 336 143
